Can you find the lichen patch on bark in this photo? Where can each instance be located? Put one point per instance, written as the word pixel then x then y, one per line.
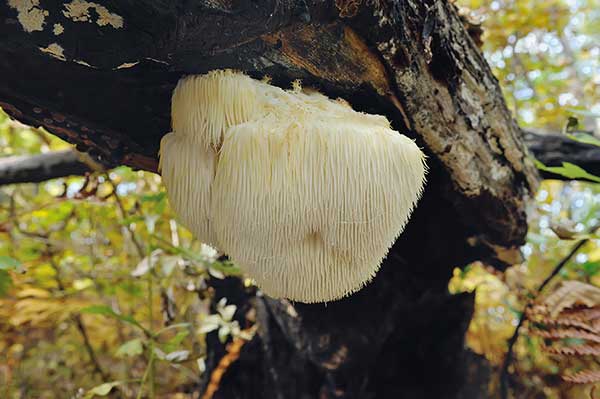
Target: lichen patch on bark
pixel 58 29
pixel 30 15
pixel 79 11
pixel 54 50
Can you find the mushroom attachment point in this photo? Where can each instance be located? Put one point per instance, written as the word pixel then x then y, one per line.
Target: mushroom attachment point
pixel 304 193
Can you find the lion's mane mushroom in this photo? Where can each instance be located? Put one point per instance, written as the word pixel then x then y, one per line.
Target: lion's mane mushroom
pixel 301 191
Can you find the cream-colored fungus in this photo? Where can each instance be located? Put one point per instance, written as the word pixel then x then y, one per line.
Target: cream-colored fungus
pixel 301 191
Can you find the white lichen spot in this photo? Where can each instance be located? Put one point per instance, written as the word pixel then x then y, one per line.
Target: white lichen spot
pixel 379 13
pixel 499 173
pixel 475 112
pixel 30 15
pixel 126 65
pixel 388 47
pixel 54 50
pixel 58 29
pixel 155 60
pixel 79 11
pixel 82 62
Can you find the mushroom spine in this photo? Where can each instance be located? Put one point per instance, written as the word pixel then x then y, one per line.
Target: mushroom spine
pixel 304 193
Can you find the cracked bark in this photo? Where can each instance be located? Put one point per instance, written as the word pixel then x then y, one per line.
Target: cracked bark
pixel 413 61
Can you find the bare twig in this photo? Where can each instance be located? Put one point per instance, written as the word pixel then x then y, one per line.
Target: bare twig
pixel 79 323
pixel 139 247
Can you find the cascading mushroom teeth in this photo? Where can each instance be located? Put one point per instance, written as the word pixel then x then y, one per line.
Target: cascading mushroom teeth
pixel 302 192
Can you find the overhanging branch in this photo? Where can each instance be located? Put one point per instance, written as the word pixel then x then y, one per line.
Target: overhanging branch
pixel 554 149
pixel 41 167
pixel 550 149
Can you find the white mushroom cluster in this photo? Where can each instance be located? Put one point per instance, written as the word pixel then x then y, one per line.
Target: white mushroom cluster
pixel 305 194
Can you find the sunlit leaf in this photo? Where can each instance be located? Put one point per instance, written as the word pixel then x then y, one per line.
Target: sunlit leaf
pixel 568 170
pixel 172 327
pixel 8 263
pixel 177 356
pixel 102 389
pixel 174 343
pixel 210 323
pixel 82 284
pixel 584 112
pixel 130 348
pixel 224 332
pixel 201 363
pixel 584 138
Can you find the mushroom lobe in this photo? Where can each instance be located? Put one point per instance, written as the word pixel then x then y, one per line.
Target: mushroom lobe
pixel 304 193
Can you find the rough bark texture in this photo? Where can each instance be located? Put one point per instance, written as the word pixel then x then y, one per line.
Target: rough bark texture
pixel 107 89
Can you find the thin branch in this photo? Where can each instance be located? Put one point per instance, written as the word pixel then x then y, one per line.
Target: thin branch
pixel 139 247
pixel 80 326
pixel 45 166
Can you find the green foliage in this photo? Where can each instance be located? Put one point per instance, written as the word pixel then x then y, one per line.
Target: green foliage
pixel 545 54
pixel 130 348
pixel 568 170
pixel 104 293
pixel 546 57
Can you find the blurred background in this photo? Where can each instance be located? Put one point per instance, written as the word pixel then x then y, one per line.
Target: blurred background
pixel 105 257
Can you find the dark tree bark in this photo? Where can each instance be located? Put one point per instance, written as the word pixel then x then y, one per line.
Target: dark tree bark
pixel 41 167
pixel 105 83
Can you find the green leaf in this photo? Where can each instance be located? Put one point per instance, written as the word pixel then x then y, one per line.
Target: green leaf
pixel 174 343
pixel 590 268
pixel 153 197
pixel 107 311
pixel 102 389
pixel 583 112
pixel 171 327
pixel 5 282
pixel 584 138
pixel 226 267
pixel 130 348
pixel 8 263
pixel 132 219
pixel 568 170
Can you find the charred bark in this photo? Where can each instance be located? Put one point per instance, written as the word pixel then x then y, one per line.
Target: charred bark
pixel 104 83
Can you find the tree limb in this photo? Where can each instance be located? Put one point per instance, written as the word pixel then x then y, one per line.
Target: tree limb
pixel 553 149
pixel 42 167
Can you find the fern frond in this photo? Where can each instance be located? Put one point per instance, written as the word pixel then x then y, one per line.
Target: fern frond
pixel 570 293
pixel 575 350
pixel 559 333
pixel 583 377
pixel 569 321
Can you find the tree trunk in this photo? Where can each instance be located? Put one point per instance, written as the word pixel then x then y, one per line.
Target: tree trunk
pixel 103 80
